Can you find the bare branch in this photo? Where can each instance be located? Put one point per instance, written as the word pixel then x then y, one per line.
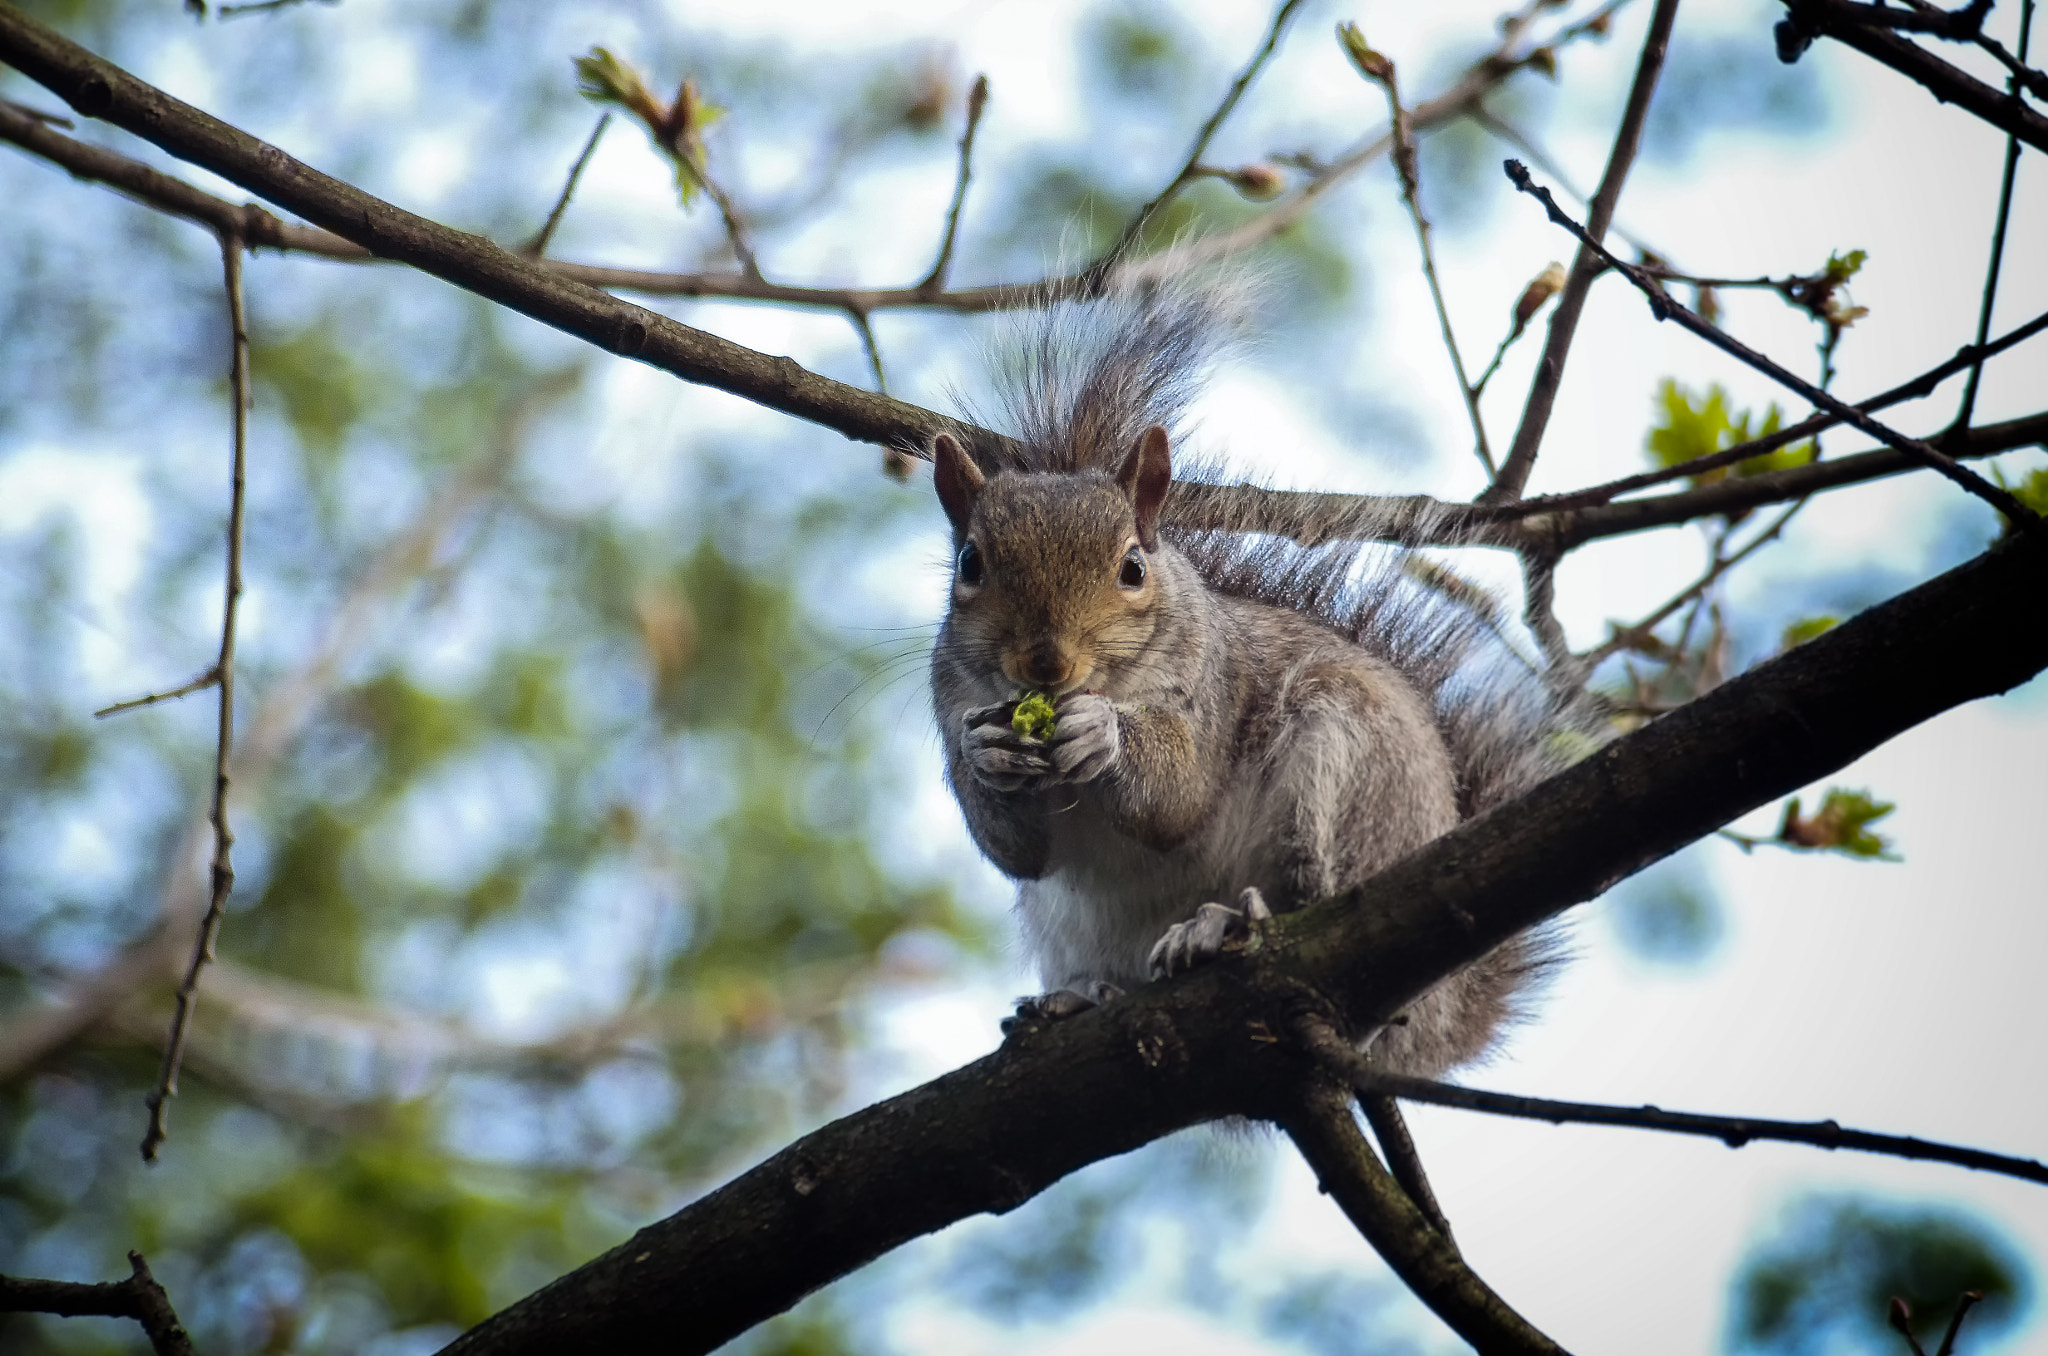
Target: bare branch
pixel 1842 21
pixel 538 246
pixel 139 1297
pixel 1630 637
pixel 1734 1131
pixel 199 684
pixel 1323 1129
pixel 1564 321
pixel 1190 171
pixel 1969 1299
pixel 1390 1128
pixel 223 869
pixel 1663 307
pixel 977 100
pixel 1991 268
pixel 1380 71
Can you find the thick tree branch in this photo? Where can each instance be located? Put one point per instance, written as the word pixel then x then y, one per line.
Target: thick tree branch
pixel 1839 19
pixel 1564 321
pixel 1060 1095
pixel 139 1297
pixel 1321 1126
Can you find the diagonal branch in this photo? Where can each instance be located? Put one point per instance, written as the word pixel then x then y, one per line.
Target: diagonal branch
pixel 538 246
pixel 1098 271
pixel 1564 321
pixel 1057 1096
pixel 1664 308
pixel 1840 20
pixel 1321 1126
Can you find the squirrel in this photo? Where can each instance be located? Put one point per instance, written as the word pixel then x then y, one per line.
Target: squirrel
pixel 1234 716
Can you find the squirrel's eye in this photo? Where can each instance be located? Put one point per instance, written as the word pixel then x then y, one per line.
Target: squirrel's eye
pixel 969 564
pixel 1132 575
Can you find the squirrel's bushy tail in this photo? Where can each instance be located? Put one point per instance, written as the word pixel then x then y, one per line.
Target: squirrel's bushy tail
pixel 1078 382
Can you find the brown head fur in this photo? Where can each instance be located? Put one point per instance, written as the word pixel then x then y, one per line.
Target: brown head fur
pixel 1054 580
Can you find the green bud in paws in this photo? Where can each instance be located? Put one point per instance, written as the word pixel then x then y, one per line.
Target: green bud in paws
pixel 1034 717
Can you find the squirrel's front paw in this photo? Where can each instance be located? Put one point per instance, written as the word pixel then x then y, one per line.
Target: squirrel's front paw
pixel 1215 929
pixel 999 759
pixel 1061 1004
pixel 1085 742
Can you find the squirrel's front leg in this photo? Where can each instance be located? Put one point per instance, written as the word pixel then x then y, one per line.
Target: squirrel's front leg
pixel 1144 763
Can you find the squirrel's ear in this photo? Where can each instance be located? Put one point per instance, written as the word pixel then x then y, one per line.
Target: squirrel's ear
pixel 1145 476
pixel 957 478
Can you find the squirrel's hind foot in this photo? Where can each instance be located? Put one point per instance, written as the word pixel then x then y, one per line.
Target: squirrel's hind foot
pixel 1214 930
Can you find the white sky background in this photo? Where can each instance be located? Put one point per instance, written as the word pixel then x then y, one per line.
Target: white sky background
pixel 1892 997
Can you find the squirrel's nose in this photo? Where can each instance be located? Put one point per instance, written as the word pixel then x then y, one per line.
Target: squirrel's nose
pixel 1045 664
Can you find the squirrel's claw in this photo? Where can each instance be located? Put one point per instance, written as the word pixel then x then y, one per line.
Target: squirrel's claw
pixel 1215 929
pixel 998 760
pixel 1085 742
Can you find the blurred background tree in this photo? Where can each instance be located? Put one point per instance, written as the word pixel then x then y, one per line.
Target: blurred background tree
pixel 590 839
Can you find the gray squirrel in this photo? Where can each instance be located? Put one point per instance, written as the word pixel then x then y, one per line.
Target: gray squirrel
pixel 1235 717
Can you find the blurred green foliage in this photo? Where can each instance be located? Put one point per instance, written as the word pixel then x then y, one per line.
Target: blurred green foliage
pixel 1689 426
pixel 1824 1279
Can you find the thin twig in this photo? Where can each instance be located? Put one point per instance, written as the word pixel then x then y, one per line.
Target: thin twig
pixel 1380 70
pixel 265 7
pixel 977 100
pixel 1189 170
pixel 735 224
pixel 1543 160
pixel 223 869
pixel 1969 1299
pixel 199 684
pixel 138 1297
pixel 1539 612
pixel 1564 321
pixel 1734 1131
pixel 1322 1127
pixel 868 345
pixel 1663 307
pixel 1390 1128
pixel 1901 1320
pixel 538 246
pixel 1630 637
pixel 2012 164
